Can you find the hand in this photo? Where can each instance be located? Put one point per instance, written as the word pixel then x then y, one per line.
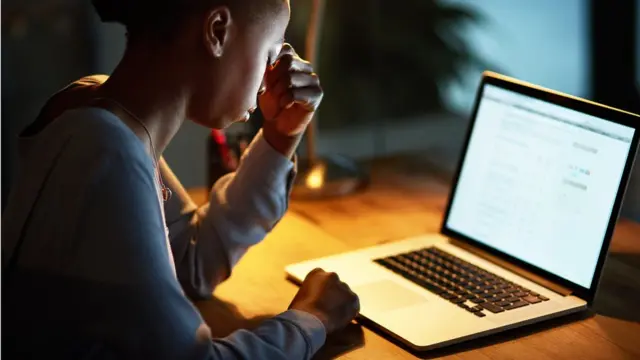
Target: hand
pixel 323 294
pixel 292 94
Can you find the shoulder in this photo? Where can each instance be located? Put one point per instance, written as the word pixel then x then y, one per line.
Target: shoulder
pixel 97 131
pixel 93 143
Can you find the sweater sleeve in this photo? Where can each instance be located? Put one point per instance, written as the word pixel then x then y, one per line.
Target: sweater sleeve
pixel 156 320
pixel 243 207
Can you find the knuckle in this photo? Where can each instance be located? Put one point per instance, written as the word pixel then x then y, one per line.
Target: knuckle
pixel 290 79
pixel 315 81
pixel 315 271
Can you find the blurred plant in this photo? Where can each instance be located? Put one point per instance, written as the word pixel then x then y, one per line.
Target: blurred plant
pixel 386 59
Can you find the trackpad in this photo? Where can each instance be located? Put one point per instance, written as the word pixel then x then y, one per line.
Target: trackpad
pixel 386 295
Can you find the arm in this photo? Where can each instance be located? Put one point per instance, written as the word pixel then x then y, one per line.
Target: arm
pixel 150 317
pixel 243 207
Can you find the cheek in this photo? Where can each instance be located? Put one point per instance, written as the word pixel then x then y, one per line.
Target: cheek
pixel 252 76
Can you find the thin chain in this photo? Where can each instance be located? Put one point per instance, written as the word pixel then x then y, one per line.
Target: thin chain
pixel 166 192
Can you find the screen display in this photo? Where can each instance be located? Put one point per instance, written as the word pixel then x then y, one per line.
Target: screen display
pixel 539 182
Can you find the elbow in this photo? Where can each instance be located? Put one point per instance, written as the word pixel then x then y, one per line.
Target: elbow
pixel 198 294
pixel 195 288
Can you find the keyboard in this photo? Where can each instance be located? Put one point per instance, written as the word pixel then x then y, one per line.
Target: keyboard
pixel 476 290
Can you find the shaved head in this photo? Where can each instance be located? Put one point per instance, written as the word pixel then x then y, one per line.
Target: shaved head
pixel 161 17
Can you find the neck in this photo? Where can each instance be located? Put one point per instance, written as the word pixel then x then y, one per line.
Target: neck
pixel 146 84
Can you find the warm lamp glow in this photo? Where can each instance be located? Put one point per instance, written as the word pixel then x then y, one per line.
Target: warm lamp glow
pixel 315 178
pixel 323 176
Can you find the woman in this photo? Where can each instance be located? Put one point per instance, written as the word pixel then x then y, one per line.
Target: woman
pixel 101 244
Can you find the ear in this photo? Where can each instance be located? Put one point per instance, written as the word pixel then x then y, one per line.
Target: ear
pixel 217 26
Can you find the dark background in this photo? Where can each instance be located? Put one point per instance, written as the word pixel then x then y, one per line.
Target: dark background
pixel 399 75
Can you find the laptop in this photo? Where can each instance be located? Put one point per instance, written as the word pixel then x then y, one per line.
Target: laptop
pixel 526 230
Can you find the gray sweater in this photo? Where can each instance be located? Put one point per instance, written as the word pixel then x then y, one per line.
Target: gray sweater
pixel 104 267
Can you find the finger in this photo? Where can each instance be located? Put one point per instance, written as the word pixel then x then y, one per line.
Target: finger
pixel 316 270
pixel 356 301
pixel 309 98
pixel 287 49
pixel 295 80
pixel 285 64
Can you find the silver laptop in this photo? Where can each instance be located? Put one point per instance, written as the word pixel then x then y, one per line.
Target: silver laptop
pixel 526 230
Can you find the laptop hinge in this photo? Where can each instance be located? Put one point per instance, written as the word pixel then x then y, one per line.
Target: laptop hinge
pixel 553 286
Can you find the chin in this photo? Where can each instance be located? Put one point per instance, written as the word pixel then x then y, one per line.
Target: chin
pixel 211 123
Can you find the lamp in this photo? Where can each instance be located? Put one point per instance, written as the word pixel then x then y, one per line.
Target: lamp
pixel 323 176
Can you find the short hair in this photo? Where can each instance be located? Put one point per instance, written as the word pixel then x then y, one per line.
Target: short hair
pixel 163 16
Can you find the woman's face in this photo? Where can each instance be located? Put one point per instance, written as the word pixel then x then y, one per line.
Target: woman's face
pixel 227 84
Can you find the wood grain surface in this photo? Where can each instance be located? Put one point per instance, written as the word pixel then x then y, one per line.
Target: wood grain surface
pixel 400 203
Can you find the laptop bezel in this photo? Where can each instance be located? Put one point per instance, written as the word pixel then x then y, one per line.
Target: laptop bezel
pixel 571 102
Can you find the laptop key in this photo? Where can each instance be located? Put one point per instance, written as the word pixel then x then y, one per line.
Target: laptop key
pixel 531 299
pixel 495 291
pixel 470 287
pixel 430 286
pixel 516 305
pixel 448 295
pixel 479 314
pixel 491 307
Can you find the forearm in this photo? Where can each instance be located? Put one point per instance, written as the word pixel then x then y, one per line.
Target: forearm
pixel 285 145
pixel 290 335
pixel 244 206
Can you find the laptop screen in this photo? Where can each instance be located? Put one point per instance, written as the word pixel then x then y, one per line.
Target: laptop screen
pixel 539 182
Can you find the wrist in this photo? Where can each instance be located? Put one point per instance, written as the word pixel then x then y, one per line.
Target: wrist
pixel 316 314
pixel 282 143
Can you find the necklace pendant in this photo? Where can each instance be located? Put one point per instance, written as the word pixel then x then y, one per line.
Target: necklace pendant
pixel 166 193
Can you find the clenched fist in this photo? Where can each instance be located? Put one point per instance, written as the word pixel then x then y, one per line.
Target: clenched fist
pixel 323 294
pixel 292 93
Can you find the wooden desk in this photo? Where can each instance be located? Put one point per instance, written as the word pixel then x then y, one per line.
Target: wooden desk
pixel 397 206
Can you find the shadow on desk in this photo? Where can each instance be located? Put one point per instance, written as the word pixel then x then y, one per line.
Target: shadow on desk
pixel 619 290
pixel 224 318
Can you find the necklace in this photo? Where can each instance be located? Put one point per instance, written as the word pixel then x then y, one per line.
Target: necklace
pixel 166 192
